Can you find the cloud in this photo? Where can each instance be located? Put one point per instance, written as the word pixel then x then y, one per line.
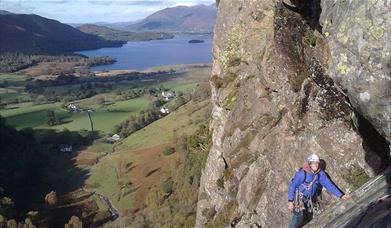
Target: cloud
pixel 149 2
pixel 125 2
pixel 54 1
pixel 16 7
pixel 138 11
pixel 94 10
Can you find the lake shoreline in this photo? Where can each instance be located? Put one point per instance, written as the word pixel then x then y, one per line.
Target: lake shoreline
pixel 142 55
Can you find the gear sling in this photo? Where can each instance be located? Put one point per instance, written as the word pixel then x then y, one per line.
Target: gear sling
pixel 300 200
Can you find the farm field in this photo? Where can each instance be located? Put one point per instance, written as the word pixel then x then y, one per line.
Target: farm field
pixel 12 85
pixel 105 116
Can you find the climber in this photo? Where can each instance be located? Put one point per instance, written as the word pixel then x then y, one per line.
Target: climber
pixel 303 189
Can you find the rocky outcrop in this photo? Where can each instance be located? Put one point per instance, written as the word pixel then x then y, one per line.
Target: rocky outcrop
pixel 358 33
pixel 373 198
pixel 275 100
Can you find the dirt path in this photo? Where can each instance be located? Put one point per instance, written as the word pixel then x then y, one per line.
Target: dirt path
pixel 113 211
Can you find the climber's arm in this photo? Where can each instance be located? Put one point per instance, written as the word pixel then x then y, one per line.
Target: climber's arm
pixel 328 184
pixel 294 184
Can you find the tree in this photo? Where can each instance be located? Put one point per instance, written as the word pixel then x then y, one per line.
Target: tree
pixel 168 151
pixel 51 117
pixel 181 144
pixel 180 101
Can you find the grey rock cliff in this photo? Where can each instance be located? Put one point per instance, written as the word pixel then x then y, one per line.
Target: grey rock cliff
pixel 275 102
pixel 359 39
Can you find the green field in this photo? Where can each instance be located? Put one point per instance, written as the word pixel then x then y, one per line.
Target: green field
pixel 14 85
pixel 162 131
pixel 14 79
pixel 104 117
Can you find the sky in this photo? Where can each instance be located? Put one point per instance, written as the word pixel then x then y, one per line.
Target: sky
pixel 85 11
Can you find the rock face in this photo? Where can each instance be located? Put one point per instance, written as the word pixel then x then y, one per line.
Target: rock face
pixel 373 198
pixel 275 102
pixel 359 39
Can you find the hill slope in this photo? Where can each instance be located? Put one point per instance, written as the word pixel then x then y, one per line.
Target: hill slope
pixel 119 35
pixel 39 35
pixel 199 18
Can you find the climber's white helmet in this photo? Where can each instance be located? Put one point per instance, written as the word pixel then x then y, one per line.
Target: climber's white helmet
pixel 313 158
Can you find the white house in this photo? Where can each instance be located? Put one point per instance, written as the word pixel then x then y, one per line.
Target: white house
pixel 74 108
pixel 65 148
pixel 168 95
pixel 115 137
pixel 164 110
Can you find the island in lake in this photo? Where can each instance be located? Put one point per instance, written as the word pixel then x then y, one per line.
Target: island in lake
pixel 196 41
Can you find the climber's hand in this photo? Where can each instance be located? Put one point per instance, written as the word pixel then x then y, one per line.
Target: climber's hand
pixel 345 197
pixel 290 206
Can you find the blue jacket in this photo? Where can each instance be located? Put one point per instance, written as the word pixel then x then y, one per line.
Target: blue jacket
pixel 320 179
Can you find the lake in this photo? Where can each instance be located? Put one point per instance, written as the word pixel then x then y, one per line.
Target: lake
pixel 142 55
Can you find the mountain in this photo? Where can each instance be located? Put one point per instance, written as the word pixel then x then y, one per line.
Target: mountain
pixel 34 34
pixel 4 12
pixel 113 25
pixel 119 35
pixel 198 18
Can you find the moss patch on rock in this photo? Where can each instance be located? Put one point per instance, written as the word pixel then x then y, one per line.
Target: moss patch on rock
pixel 355 177
pixel 309 36
pixel 230 99
pixel 298 80
pixel 223 82
pixel 224 216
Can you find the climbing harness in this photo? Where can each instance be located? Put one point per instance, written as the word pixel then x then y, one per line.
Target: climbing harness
pixel 298 201
pixel 306 203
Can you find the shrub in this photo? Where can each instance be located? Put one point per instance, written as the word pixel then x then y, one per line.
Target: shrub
pixel 356 177
pixel 167 186
pixel 224 81
pixel 168 151
pixel 298 80
pixel 235 61
pixel 220 182
pixel 224 216
pixel 309 36
pixel 217 81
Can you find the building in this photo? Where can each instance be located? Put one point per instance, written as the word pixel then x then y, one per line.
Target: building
pixel 115 137
pixel 164 110
pixel 168 95
pixel 65 148
pixel 74 108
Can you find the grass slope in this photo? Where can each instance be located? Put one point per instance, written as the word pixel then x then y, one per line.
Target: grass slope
pixel 138 165
pixel 162 131
pixel 104 117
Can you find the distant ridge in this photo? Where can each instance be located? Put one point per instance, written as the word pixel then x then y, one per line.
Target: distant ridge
pixel 114 34
pixel 4 12
pixel 34 34
pixel 194 19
